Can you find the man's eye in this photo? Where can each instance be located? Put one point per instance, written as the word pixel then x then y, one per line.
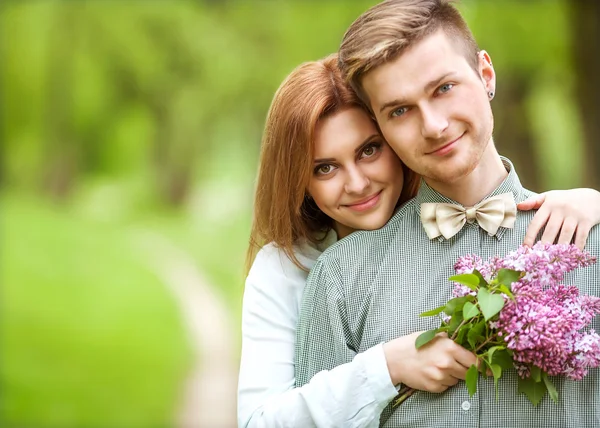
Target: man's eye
pixel 398 112
pixel 446 87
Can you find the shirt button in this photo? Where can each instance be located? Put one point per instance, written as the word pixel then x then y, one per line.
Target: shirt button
pixel 465 405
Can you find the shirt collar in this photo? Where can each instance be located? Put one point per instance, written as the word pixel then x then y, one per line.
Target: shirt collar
pixel 510 184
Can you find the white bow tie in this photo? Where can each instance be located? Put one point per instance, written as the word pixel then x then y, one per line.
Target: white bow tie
pixel 448 219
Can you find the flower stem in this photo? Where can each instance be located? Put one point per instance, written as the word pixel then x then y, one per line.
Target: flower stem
pixel 403 394
pixel 457 329
pixel 488 340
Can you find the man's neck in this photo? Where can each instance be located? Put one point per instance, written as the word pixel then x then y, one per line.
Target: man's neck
pixel 475 186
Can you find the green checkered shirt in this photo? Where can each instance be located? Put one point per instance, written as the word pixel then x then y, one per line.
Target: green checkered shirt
pixel 371 287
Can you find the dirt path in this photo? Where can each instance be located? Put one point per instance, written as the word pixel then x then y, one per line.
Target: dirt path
pixel 209 394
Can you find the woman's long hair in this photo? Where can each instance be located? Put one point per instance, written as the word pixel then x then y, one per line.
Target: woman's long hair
pixel 283 213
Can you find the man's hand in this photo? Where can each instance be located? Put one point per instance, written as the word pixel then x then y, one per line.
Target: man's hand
pixel 434 367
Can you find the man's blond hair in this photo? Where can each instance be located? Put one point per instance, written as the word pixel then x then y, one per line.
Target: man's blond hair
pixel 384 31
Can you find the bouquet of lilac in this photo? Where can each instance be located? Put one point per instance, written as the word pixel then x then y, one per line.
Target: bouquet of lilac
pixel 514 312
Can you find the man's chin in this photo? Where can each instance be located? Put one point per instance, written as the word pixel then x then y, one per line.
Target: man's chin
pixel 450 172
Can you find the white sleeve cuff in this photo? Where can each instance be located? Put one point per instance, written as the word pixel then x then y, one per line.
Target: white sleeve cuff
pixel 378 375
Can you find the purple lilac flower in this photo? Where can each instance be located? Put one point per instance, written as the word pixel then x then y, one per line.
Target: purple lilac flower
pixel 542 324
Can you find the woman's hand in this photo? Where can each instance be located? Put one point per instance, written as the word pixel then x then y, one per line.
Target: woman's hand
pixel 572 213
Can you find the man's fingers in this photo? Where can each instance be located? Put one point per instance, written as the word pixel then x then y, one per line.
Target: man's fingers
pixel 463 357
pixel 539 220
pixel 567 231
pixel 458 372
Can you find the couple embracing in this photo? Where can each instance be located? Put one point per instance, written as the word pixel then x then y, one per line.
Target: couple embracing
pixel 363 154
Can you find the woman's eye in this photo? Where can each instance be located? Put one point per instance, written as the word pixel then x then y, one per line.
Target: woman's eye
pixel 446 87
pixel 398 112
pixel 323 169
pixel 370 150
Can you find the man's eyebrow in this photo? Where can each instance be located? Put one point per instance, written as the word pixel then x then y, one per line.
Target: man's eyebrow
pixel 428 87
pixel 434 83
pixel 393 103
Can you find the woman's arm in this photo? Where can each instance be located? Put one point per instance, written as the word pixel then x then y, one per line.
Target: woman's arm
pixel 352 394
pixel 572 213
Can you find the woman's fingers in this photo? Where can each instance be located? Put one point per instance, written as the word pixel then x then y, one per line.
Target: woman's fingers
pixel 532 203
pixel 537 223
pixel 567 231
pixel 583 230
pixel 552 229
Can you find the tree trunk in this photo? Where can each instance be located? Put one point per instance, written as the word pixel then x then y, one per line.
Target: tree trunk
pixel 512 133
pixel 585 24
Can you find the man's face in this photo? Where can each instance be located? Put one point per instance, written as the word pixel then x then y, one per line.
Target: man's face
pixel 433 108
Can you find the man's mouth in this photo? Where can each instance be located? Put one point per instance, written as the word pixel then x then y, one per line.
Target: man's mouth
pixel 446 148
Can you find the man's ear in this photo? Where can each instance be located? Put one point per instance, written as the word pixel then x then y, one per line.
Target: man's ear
pixel 487 73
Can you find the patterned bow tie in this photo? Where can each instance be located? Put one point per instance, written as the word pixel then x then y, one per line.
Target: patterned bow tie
pixel 449 219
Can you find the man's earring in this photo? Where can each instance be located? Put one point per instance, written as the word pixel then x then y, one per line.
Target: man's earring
pixel 491 95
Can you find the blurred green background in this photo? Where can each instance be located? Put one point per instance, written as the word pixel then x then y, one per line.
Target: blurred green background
pixel 130 134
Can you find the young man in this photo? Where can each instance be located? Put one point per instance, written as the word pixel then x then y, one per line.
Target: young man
pixel 416 66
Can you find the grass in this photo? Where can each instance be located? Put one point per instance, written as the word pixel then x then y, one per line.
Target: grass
pixel 89 337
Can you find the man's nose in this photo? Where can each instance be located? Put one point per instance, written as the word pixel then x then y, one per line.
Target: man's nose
pixel 434 123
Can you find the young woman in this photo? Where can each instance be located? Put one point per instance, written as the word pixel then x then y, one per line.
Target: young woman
pixel 325 171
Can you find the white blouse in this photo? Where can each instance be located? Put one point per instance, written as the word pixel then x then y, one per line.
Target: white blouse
pixel 350 395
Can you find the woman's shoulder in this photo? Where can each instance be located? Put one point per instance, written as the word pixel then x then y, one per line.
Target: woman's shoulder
pixel 272 266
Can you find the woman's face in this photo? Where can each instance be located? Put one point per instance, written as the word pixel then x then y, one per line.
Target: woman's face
pixel 356 178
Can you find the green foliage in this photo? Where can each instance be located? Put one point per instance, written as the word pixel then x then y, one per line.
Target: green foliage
pixel 468 279
pixel 470 310
pixel 425 338
pixel 90 337
pixel 118 108
pixel 490 304
pixel 534 390
pixel 469 327
pixel 471 380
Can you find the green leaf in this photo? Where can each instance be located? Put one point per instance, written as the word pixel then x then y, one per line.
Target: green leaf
pixel 490 353
pixel 496 372
pixel 489 303
pixel 470 310
pixel 533 390
pixel 483 367
pixel 468 279
pixel 425 338
pixel 551 389
pixel 455 304
pixel 503 358
pixel 508 276
pixel 457 318
pixel 536 373
pixel 433 312
pixel 460 337
pixel 479 276
pixel 471 379
pixel 475 335
pixel 504 289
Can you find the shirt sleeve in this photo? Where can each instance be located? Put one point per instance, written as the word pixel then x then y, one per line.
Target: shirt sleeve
pixel 350 395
